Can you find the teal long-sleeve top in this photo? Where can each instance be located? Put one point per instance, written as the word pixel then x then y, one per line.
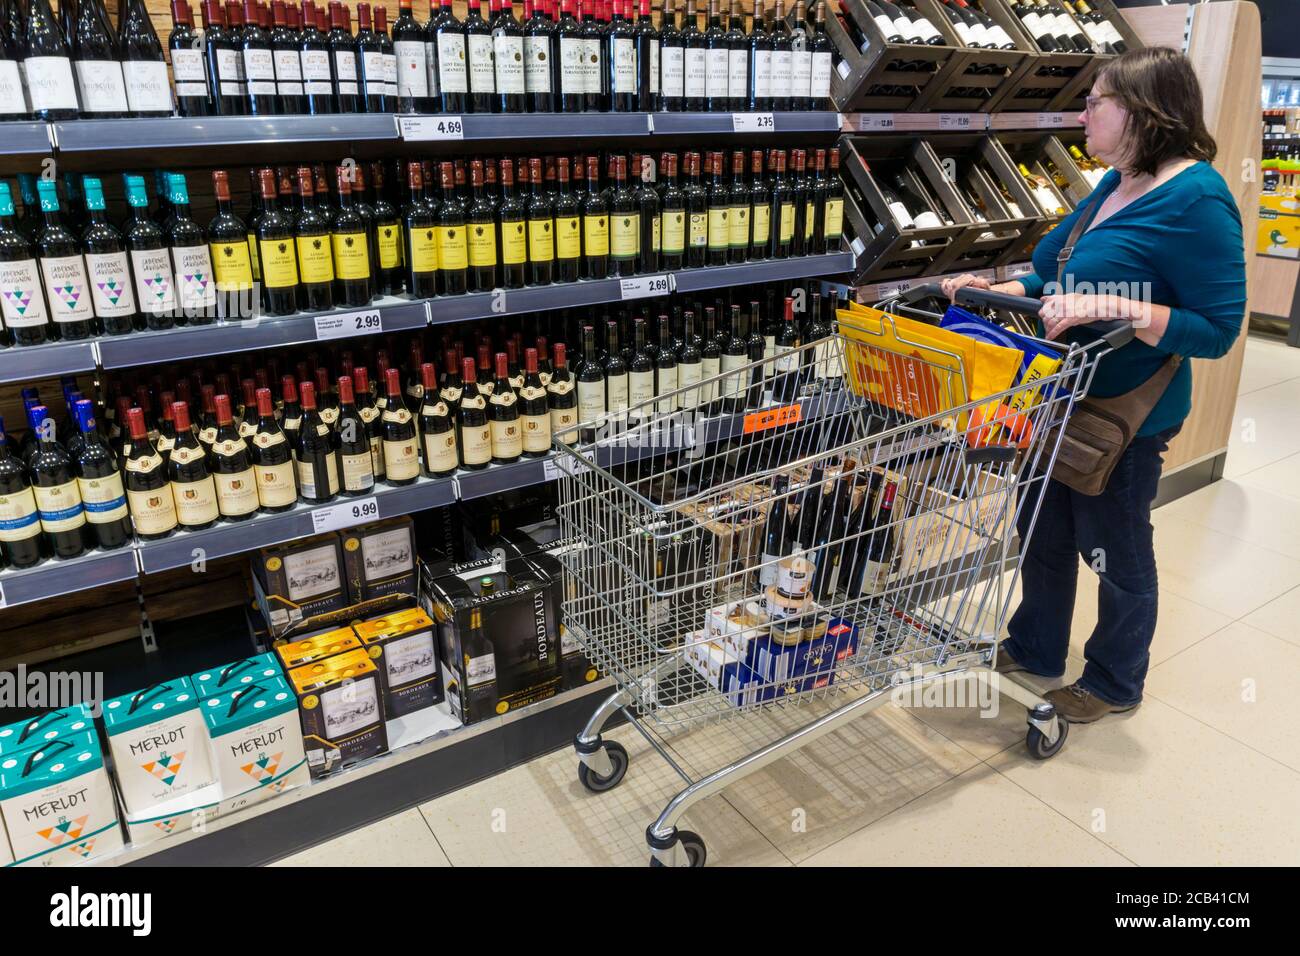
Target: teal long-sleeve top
pixel 1182 244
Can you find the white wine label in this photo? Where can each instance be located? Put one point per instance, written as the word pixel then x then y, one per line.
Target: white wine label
pixel 196 501
pixel 412 68
pixel 11 89
pixel 192 268
pixel 688 377
pixel 104 499
pixel 482 76
pixel 60 507
pixel 782 68
pixel 537 64
pixel 21 298
pixel 667 382
pixel 230 72
pixel 19 519
pixel 275 484
pixel 259 71
pixel 572 78
pixel 49 82
pixel 508 54
pixel 800 73
pixel 641 389
pixel 316 72
pixel 67 288
pixel 616 395
pixel 103 90
pixel 153 511
pixel 372 64
pixel 345 70
pixel 146 86
pixel 237 494
pixel 440 451
pixel 453 73
pixel 819 87
pixel 591 65
pixel 672 71
pixel 288 72
pixel 562 421
pixel 358 471
pixel 401 459
pixel 716 72
pixel 110 284
pixel 738 74
pixel 507 439
pixel 478 444
pixel 591 401
pixel 480 670
pixel 624 65
pixel 654 67
pixel 537 432
pixel 697 73
pixel 762 74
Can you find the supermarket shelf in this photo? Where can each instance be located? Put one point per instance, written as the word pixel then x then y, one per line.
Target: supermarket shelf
pixel 55 577
pixel 262 531
pixel 27 139
pixel 436 128
pixel 179 132
pixel 31 362
pixel 199 341
pixel 490 481
pixel 1065 120
pixel 874 292
pixel 954 122
pixel 812 121
pixel 767 270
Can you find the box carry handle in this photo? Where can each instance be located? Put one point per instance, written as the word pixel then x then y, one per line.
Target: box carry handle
pixel 150 692
pixel 45 753
pixel 37 723
pixel 251 691
pixel 234 669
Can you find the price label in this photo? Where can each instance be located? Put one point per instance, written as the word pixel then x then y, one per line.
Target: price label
pixel 1021 269
pixel 563 466
pixel 893 290
pixel 431 128
pixel 344 515
pixel 876 121
pixel 642 287
pixel 1051 120
pixel 348 324
pixel 957 121
pixel 752 122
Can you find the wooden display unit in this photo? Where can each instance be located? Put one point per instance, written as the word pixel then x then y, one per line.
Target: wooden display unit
pixel 861 78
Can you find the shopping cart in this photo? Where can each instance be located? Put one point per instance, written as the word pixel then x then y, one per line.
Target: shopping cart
pixel 804 536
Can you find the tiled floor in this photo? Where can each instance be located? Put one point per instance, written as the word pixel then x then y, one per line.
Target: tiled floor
pixel 1206 772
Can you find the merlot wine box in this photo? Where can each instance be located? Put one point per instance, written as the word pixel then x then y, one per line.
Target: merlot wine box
pixel 311 649
pixel 341 707
pixel 380 560
pixel 498 634
pixel 189 812
pixel 301 580
pixel 48 726
pixel 57 803
pixel 240 673
pixel 404 648
pixel 159 744
pixel 256 739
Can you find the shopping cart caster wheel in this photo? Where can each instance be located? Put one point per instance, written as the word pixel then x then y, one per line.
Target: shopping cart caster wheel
pixel 692 845
pixel 598 783
pixel 1037 743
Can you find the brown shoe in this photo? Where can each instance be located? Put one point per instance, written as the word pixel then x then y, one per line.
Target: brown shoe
pixel 1006 664
pixel 1080 706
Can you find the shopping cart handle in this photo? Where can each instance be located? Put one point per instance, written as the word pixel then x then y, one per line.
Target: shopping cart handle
pixel 1116 333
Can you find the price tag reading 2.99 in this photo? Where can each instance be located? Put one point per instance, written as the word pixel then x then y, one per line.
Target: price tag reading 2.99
pixel 348 324
pixel 344 515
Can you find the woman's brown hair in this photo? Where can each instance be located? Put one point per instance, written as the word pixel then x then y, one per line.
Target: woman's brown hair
pixel 1166 119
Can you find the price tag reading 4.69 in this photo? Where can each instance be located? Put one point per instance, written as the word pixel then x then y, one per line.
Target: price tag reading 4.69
pixel 752 122
pixel 426 128
pixel 348 324
pixel 344 515
pixel 644 286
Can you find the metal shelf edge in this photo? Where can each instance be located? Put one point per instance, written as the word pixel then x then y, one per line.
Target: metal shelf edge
pixel 54 578
pixel 28 363
pixel 79 136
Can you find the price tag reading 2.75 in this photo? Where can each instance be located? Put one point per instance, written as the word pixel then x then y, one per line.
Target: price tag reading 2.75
pixel 344 515
pixel 348 324
pixel 752 123
pixel 645 286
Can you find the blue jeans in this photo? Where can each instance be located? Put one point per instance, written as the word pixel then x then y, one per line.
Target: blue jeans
pixel 1112 533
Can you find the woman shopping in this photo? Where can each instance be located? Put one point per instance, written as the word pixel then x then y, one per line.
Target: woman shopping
pixel 1159 244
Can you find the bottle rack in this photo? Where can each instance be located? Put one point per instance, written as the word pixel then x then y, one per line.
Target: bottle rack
pixel 859 70
pixel 1030 148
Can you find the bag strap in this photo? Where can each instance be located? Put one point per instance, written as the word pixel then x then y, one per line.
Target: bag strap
pixel 1080 225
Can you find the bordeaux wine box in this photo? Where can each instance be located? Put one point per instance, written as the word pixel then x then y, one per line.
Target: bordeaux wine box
pixel 341 705
pixel 301 580
pixel 380 560
pixel 57 803
pixel 403 646
pixel 309 650
pixel 519 623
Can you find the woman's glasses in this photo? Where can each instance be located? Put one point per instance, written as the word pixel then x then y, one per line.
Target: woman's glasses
pixel 1093 100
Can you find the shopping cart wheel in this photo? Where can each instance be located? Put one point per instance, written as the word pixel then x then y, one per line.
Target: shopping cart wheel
pixel 692 845
pixel 1037 743
pixel 599 783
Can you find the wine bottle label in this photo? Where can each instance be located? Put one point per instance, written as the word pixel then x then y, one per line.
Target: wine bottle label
pixel 237 494
pixel 507 439
pixel 672 71
pixel 232 264
pixel 351 255
pixel 358 471
pixel 999 36
pixel 562 422
pixel 717 77
pixel 568 237
pixel 624 65
pixel 329 416
pixel 230 70
pixel 732 385
pixel 809 219
pixel 767 572
pixel 596 235
pixel 591 401
pixel 738 73
pixel 423 249
pixel 800 73
pixel 12 101
pixel 192 267
pixel 259 71
pixel 440 451
pixel 152 511
pixel 188 66
pixel 153 281
pixel 674 232
pixel 875 576
pixel 591 64
pixel 452 249
pixel 666 382
pixel 573 78
pixel 709 371
pixel 279 263
pixel 482 76
pixel 196 501
pixel 537 64
pixel 616 395
pixel 275 483
pixel 625 234
pixel 782 68
pixel 207 436
pixel 719 228
pixel 252 257
pixel 820 81
pixel 388 241
pixel 66 287
pixel 536 432
pixel 316 72
pixel 247 429
pixel 480 670
pixel 345 69
pixel 372 66
pixel 453 77
pixel 103 90
pixel 19 519
pixel 762 74
pixel 902 217
pixel 541 240
pixel 288 73
pixel 485 390
pixel 1110 33
pixel 20 294
pixel 315 264
pixel 146 85
pixel 927 30
pixel 544 377
pixel 826 359
pixel 508 55
pixel 834 218
pixel 738 218
pixel 478 444
pixel 390 74
pixel 412 68
pixel 697 72
pixel 689 375
pixel 640 390
pixel 110 284
pixel 60 507
pixel 307 478
pixel 787 222
pixel 699 230
pixel 787 359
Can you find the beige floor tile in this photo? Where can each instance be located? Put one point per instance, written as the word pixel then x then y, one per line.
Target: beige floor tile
pixel 1217 570
pixel 403 839
pixel 539 815
pixel 1263 428
pixel 1164 789
pixel 977 819
pixel 1267 362
pixel 1280 617
pixel 980 730
pixel 1244 511
pixel 1281 477
pixel 1241 681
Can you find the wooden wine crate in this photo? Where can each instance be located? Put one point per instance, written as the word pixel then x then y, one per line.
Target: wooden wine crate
pixel 1029 147
pixel 992 243
pixel 993 72
pixel 1047 80
pixel 1056 148
pixel 878 78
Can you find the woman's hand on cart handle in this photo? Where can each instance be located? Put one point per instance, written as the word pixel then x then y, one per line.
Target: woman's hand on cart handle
pixel 951 284
pixel 1119 320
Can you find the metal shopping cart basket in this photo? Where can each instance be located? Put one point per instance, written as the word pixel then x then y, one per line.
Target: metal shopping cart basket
pixel 803 536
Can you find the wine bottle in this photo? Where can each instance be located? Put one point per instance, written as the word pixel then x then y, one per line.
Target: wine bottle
pixel 534 416
pixel 413 66
pixel 672 62
pixel 695 62
pixel 595 226
pixel 474 432
pixel 147 486
pixel 54 485
pixel 620 62
pixel 311 239
pixel 314 61
pixel 508 62
pixel 343 60
pixel 400 446
pixel 453 249
pixel 591 388
pixel 572 51
pixel 875 552
pixel 232 467
pixel 561 398
pixel 13 102
pixel 349 240
pixel 357 464
pixel 285 44
pixel 99 483
pixel 20 523
pixel 801 60
pixel 735 355
pixel 47 65
pixel 191 261
pixel 259 65
pixel 478 52
pixel 370 58
pixel 63 270
pixel 316 452
pixel 645 60
pixel 437 423
pixel 697 210
pixel 782 59
pixel 593 70
pixel 503 414
pixel 719 222
pixel 276 251
pixel 228 248
pixel 272 459
pixel 107 266
pixel 151 265
pixel 710 396
pixel 625 223
pixel 761 48
pixel 673 238
pixel 539 41
pixel 189 67
pixel 23 299
pixel 143 65
pixel 222 62
pixel 187 467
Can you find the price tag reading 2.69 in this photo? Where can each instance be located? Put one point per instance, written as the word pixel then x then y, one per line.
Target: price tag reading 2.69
pixel 347 324
pixel 644 286
pixel 344 515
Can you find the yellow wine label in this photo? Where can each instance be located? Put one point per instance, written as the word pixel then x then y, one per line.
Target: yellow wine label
pixel 440 451
pixel 762 225
pixel 787 222
pixel 237 494
pixel 390 244
pixel 834 218
pixel 358 471
pixel 351 255
pixel 279 264
pixel 315 259
pixel 537 432
pixel 541 240
pixel 699 235
pixel 478 444
pixel 568 237
pixel 674 227
pixel 422 248
pixel 514 242
pixel 252 257
pixel 103 498
pixel 276 486
pixel 626 232
pixel 196 501
pixel 453 251
pixel 482 244
pixel 233 265
pixel 507 439
pixel 401 459
pixel 595 235
pixel 719 228
pixel 809 219
pixel 740 227
pixel 152 512
pixel 60 507
pixel 18 518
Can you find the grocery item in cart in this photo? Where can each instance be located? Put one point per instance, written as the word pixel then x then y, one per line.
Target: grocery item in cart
pixel 731 536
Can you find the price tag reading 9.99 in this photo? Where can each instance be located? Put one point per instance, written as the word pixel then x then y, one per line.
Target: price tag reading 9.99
pixel 344 515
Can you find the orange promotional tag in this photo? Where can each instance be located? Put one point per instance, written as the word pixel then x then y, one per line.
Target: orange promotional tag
pixel 772 418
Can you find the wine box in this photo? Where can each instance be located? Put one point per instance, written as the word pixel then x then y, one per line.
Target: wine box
pixel 403 646
pixel 42 729
pixel 159 744
pixel 882 76
pixel 240 673
pixel 341 708
pixel 256 739
pixel 57 803
pixel 301 580
pixel 380 560
pixel 309 650
pixel 940 526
